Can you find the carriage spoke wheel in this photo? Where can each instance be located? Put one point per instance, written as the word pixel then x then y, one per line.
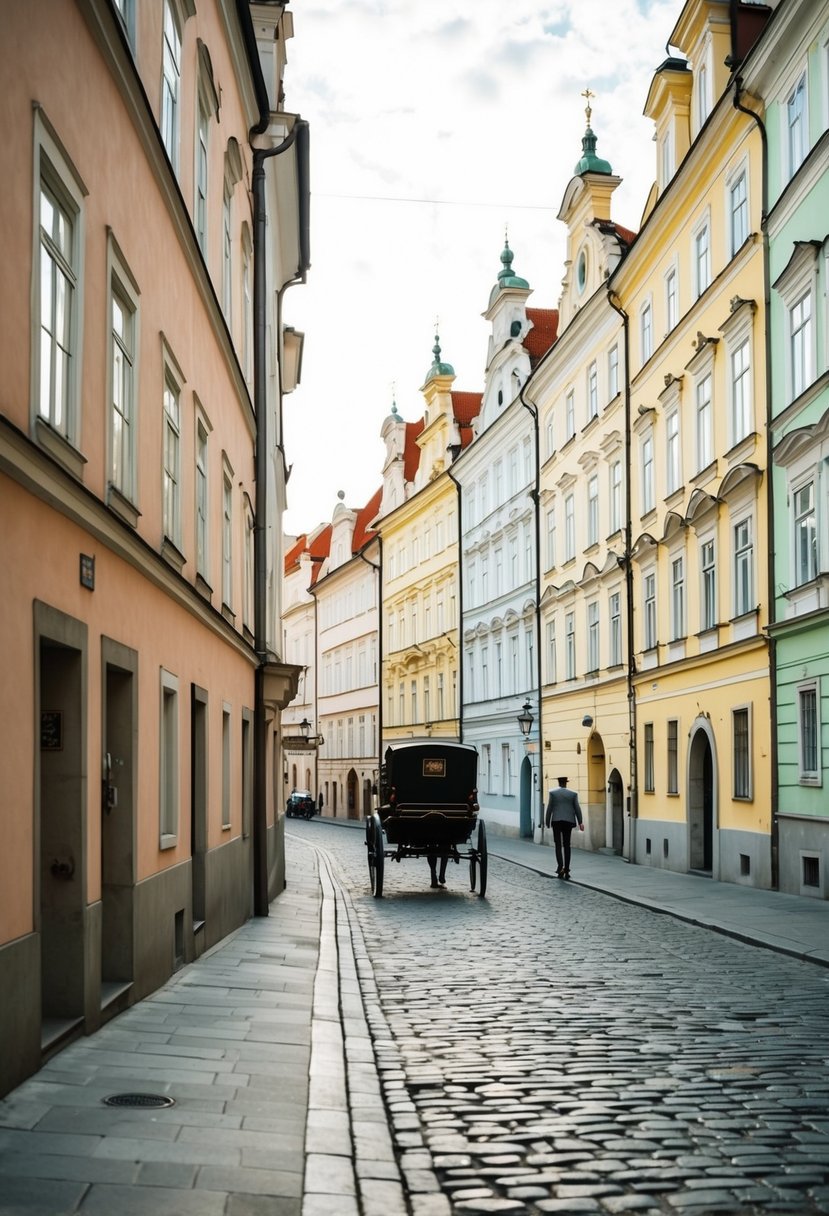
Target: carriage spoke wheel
pixel 482 859
pixel 374 847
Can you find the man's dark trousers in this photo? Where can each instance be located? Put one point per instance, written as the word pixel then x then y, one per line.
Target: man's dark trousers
pixel 561 838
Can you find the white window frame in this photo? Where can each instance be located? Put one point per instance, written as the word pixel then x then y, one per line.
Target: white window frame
pixel 704 418
pixel 202 493
pixel 671 297
pixel 615 615
pixel 172 395
pixel 809 775
pixel 169 794
pixel 648 773
pixel 248 599
pixel 799 280
pixel 796 133
pixel 570 414
pixel 615 496
pixel 593 509
pixel 739 220
pixel 593 636
pixel 570 645
pixel 227 765
pixel 569 528
pixel 701 254
pixel 672 756
pixel 122 378
pixel 613 372
pixel 801 573
pixel 673 452
pixel 650 621
pixel 648 474
pixel 677 596
pixel 740 389
pixel 170 110
pixel 709 589
pixel 227 534
pixel 646 331
pixel 552 653
pixel 54 173
pixel 592 391
pixel 743 558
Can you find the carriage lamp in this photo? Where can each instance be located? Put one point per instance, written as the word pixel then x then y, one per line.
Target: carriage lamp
pixel 525 720
pixel 305 727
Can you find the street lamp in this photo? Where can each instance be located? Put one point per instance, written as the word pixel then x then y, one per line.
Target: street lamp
pixel 305 728
pixel 525 720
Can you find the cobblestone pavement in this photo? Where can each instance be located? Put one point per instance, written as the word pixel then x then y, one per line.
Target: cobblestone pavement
pixel 551 1049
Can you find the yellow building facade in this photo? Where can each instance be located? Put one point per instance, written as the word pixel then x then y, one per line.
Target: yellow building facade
pixel 692 293
pixel 418 527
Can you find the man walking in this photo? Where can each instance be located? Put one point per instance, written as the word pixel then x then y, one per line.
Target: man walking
pixel 563 813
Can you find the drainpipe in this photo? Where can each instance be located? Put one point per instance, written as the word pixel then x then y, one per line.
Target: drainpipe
pixel 772 642
pixel 535 494
pixel 378 569
pixel 299 133
pixel 460 606
pixel 627 562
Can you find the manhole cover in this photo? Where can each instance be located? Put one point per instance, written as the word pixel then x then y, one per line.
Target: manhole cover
pixel 154 1101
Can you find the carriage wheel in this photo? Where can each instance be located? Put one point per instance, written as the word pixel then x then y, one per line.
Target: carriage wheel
pixel 374 846
pixel 473 870
pixel 482 857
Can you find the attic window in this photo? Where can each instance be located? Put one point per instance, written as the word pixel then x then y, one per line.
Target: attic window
pixel 500 396
pixel 581 271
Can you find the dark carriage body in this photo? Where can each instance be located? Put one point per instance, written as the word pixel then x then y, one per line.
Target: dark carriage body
pixel 428 808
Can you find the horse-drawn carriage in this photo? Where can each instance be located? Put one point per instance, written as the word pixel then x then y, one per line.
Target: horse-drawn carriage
pixel 428 808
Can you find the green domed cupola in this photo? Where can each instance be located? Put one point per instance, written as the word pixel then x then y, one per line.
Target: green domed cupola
pixel 590 162
pixel 506 278
pixel 438 368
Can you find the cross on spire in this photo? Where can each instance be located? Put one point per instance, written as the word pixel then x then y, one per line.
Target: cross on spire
pixel 587 94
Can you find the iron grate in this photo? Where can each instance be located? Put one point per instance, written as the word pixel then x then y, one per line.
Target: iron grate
pixel 151 1101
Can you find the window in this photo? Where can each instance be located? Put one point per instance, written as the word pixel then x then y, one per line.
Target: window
pixel 226 766
pixel 808 733
pixel 800 344
pixel 123 395
pixel 549 434
pixel 615 604
pixel 666 157
pixel 593 510
pixel 227 540
pixel 674 470
pixel 227 253
pixel 743 568
pixel 741 412
pixel 650 610
pixel 506 769
pixel 58 284
pixel 202 501
pixel 805 534
pixel 593 636
pixel 612 372
pixel 570 646
pixel 552 657
pixel 569 528
pixel 671 299
pixel 677 598
pixel 441 706
pixel 646 331
pixel 702 258
pixel 703 98
pixel 650 785
pixel 796 125
pixel 592 391
pixel 413 692
pixel 247 309
pixel 170 84
pixel 200 216
pixel 172 460
pixel 570 414
pixel 673 740
pixel 738 211
pixel 705 435
pixel 168 794
pixel 247 605
pixel 615 496
pixel 648 488
pixel 709 584
pixel 486 767
pixel 741 746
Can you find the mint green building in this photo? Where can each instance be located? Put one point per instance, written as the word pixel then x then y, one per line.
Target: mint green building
pixel 790 73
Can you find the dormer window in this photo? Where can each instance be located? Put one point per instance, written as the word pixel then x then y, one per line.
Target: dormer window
pixel 581 271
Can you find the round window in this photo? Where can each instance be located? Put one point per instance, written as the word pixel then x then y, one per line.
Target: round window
pixel 581 271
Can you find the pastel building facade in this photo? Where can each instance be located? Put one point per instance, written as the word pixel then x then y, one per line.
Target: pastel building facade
pixel 497 475
pixel 577 391
pixel 790 71
pixel 142 678
pixel 692 291
pixel 418 527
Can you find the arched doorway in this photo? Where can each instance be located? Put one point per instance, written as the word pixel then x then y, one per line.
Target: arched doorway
pixel 616 811
pixel 596 819
pixel 701 802
pixel 351 795
pixel 525 812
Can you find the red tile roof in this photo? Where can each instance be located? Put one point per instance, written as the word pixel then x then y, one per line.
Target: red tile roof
pixel 543 333
pixel 465 407
pixel 411 452
pixel 362 532
pixel 318 547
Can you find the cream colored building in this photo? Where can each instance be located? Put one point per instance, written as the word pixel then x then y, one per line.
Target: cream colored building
pixel 142 675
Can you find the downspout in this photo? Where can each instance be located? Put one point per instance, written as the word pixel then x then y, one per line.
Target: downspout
pixel 378 568
pixel 535 494
pixel 260 558
pixel 627 562
pixel 772 642
pixel 460 606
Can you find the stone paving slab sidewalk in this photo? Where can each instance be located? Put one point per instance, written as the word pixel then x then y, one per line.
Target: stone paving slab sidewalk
pixel 264 1045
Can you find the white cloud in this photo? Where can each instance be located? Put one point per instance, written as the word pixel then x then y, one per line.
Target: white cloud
pixel 462 101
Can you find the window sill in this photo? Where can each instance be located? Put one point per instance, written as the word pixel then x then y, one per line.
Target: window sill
pixel 203 587
pixel 59 448
pixel 123 508
pixel 167 841
pixel 172 555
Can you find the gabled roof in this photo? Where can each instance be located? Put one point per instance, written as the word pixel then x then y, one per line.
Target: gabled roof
pixel 318 547
pixel 411 452
pixel 543 333
pixel 362 532
pixel 466 407
pixel 625 235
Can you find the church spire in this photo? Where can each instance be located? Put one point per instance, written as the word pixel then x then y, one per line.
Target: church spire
pixel 590 162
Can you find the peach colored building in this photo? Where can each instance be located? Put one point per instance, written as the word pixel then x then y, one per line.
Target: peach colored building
pixel 142 677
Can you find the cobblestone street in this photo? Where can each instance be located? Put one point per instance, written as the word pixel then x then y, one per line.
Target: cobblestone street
pixel 552 1049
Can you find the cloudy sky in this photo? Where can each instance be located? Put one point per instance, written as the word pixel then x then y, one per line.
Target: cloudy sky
pixel 435 126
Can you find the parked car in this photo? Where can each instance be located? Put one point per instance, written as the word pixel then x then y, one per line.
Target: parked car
pixel 301 804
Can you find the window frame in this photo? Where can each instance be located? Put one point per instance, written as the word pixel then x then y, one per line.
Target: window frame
pixel 742 777
pixel 169 793
pixel 701 254
pixel 809 776
pixel 124 290
pixel 172 387
pixel 169 123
